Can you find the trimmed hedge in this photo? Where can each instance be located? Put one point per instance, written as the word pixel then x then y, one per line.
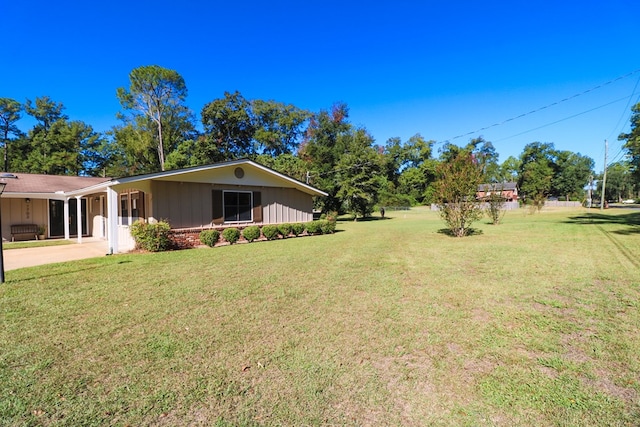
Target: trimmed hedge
pixel 284 230
pixel 151 237
pixel 251 233
pixel 321 226
pixel 270 232
pixel 231 235
pixel 209 237
pixel 313 227
pixel 327 226
pixel 297 228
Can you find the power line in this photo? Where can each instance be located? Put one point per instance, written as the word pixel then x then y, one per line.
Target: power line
pixel 622 149
pixel 617 156
pixel 547 106
pixel 563 119
pixel 625 111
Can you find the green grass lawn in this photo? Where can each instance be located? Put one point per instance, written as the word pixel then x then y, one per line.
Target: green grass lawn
pixel 387 322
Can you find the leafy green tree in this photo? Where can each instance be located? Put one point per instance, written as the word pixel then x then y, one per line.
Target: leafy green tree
pixel 323 149
pixel 235 127
pixel 487 157
pixel 158 94
pixel 509 169
pixel 45 111
pixel 410 154
pixel 287 164
pixel 495 204
pixel 131 152
pixel 536 172
pixel 632 142
pixel 415 181
pixel 229 127
pixel 455 191
pixel 572 172
pixel 359 174
pixel 278 127
pixel 189 152
pixel 53 145
pixel 620 182
pixel 409 169
pixel 67 148
pixel 9 114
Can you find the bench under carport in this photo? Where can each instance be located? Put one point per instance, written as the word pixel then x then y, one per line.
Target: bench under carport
pixel 24 230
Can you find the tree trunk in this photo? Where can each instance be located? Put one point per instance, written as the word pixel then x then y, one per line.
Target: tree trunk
pixel 160 146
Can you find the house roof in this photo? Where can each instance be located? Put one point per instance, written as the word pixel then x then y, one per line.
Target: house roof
pixel 498 186
pixel 26 183
pixel 200 173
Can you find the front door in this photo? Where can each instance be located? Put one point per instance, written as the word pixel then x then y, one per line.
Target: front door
pixel 56 217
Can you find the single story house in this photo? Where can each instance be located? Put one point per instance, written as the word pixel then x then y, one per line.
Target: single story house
pixel 233 193
pixel 509 190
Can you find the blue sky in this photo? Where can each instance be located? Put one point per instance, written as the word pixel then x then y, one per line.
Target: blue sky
pixel 439 68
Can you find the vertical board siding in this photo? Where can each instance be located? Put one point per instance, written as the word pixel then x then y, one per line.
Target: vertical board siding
pixel 190 205
pixel 286 205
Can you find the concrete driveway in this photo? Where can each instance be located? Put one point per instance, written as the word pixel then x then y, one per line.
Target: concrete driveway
pixel 29 257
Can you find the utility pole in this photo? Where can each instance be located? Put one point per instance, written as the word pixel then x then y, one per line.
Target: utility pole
pixel 604 175
pixel 590 199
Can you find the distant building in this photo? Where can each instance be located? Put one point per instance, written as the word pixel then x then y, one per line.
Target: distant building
pixel 508 190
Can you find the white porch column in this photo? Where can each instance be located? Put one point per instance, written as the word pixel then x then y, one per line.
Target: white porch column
pixel 79 217
pixel 66 219
pixel 112 220
pixel 103 219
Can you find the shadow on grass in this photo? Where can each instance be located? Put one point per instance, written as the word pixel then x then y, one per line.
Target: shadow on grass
pixel 65 268
pixel 470 232
pixel 630 220
pixel 365 219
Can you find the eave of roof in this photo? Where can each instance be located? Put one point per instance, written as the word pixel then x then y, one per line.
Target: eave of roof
pixel 177 172
pixel 38 185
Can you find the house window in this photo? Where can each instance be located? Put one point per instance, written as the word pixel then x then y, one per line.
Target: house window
pixel 124 209
pixel 237 206
pixel 137 205
pixel 131 207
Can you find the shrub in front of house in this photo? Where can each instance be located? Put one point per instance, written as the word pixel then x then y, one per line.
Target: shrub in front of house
pixel 284 230
pixel 313 227
pixel 327 226
pixel 297 228
pixel 251 233
pixel 270 232
pixel 231 235
pixel 151 237
pixel 209 237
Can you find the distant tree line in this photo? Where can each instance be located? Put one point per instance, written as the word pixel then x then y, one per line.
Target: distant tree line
pixel 157 131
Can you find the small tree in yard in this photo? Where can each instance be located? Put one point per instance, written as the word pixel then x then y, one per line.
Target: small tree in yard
pixel 495 206
pixel 455 192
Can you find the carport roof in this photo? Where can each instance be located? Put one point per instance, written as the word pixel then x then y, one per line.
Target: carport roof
pixel 41 183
